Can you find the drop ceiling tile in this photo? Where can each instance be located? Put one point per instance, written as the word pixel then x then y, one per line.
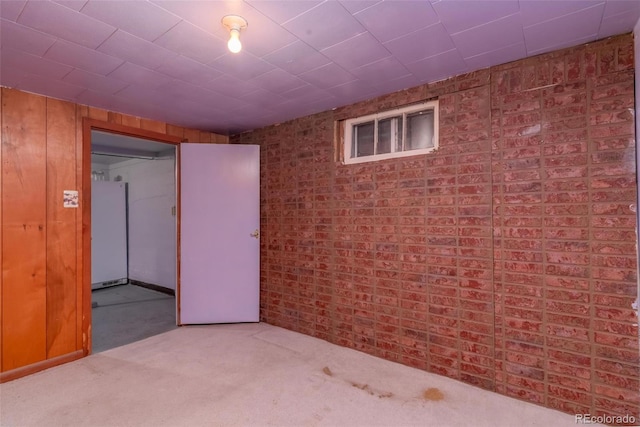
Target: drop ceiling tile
pixel 438 67
pixel 184 90
pixel 568 27
pixel 134 107
pixel 187 69
pixel 305 93
pixel 35 64
pixel 357 90
pixel 382 70
pixel 137 75
pixel 23 38
pixel 11 76
pixel 284 113
pixel 206 15
pixel 537 11
pixel 327 76
pixel 99 100
pixel 563 44
pixel 196 108
pixel 462 15
pixel 10 9
pixel 257 117
pixel 72 4
pixel 94 82
pixel 313 106
pixel 253 39
pixel 490 36
pixel 421 44
pixel 201 82
pixel 189 40
pixel 83 58
pixel 283 10
pixel 312 27
pixel 355 6
pixel 394 85
pixel 409 16
pixel 142 96
pixel 357 51
pixel 60 21
pixel 231 86
pixel 498 56
pixel 136 50
pixel 616 7
pixel 52 87
pixel 612 25
pixel 140 18
pixel 236 125
pixel 242 65
pixel 277 81
pixel 262 98
pixel 297 58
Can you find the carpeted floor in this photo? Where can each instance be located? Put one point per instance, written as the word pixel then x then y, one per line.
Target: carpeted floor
pixel 252 375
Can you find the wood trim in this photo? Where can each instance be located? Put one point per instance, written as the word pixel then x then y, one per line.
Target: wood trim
pixel 80 226
pixel 153 287
pixel 40 366
pixel 94 124
pixel 2 91
pixel 85 178
pixel 178 235
pixel 89 124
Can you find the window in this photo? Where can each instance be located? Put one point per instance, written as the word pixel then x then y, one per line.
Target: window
pixel 403 132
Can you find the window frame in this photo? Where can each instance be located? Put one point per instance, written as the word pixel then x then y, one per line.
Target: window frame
pixel 375 118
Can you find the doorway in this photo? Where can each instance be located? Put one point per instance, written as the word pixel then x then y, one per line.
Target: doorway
pixel 133 237
pixel 218 236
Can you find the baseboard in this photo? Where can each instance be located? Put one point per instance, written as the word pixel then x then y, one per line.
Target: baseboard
pixel 153 287
pixel 23 371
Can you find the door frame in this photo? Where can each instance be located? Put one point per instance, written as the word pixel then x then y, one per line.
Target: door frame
pixel 84 243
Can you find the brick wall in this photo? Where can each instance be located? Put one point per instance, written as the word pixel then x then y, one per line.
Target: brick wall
pixel 505 259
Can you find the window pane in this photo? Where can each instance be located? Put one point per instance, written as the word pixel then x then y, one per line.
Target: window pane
pixel 388 135
pixel 362 140
pixel 419 130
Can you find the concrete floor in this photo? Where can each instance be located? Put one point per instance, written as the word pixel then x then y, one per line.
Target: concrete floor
pixel 127 313
pixel 252 375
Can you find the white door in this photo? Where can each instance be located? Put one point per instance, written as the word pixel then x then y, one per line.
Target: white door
pixel 219 241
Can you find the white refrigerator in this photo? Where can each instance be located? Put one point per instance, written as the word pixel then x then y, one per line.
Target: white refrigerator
pixel 108 234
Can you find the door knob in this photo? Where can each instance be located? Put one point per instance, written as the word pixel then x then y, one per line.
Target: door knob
pixel 255 234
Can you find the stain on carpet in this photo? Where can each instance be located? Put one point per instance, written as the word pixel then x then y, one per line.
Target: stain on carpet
pixel 432 394
pixel 372 392
pixel 364 387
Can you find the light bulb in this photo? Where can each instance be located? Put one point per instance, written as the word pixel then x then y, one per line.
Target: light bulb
pixel 234 44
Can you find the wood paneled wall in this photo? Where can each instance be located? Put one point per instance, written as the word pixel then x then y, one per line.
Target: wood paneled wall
pixel 44 278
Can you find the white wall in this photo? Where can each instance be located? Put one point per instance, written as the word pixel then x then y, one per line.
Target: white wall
pixel 152 226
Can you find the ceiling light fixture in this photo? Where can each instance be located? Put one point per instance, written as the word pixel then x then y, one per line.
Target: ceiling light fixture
pixel 234 24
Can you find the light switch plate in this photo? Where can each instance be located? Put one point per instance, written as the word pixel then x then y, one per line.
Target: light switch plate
pixel 70 198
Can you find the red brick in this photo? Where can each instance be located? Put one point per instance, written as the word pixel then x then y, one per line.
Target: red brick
pixel 569 370
pixel 606 406
pixel 625 395
pixel 513 244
